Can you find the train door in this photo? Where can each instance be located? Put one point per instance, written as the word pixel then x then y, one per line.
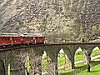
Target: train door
pixel 17 40
pixel 5 40
pixel 40 40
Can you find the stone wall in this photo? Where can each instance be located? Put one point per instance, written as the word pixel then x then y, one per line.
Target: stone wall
pixel 17 58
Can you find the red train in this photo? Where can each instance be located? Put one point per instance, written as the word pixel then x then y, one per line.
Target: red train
pixel 26 38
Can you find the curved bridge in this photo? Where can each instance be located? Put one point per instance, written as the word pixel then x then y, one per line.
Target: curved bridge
pixel 16 57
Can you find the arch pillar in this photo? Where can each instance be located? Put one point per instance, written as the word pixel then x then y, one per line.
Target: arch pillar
pixel 88 50
pixel 16 59
pixel 70 51
pixel 52 61
pixel 88 59
pixel 36 60
pixel 71 59
pixel 2 67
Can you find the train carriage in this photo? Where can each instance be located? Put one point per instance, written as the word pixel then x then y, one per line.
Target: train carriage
pixel 10 38
pixel 26 38
pixel 5 40
pixel 39 38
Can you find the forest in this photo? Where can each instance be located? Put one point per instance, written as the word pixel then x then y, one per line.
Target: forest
pixel 60 21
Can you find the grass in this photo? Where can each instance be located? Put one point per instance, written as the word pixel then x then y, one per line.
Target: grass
pixel 79 56
pixel 61 60
pixel 95 52
pixel 95 71
pixel 82 70
pixel 44 64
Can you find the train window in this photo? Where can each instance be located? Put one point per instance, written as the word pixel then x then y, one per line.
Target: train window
pixel 6 38
pixel 38 35
pixel 24 34
pixel 0 38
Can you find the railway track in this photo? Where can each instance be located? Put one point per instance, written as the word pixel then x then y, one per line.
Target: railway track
pixel 18 46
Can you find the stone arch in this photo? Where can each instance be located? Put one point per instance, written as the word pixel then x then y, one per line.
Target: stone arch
pixel 62 64
pixel 44 63
pixel 88 50
pixel 60 55
pixel 95 54
pixel 52 53
pixel 2 67
pixel 35 60
pixel 98 46
pixel 70 52
pixel 79 57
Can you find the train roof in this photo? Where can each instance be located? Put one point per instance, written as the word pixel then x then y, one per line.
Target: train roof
pixel 33 34
pixel 9 34
pixel 23 34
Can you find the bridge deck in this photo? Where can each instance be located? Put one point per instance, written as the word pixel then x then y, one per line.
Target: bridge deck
pixel 18 46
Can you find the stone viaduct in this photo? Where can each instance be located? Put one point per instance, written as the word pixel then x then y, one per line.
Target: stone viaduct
pixel 16 56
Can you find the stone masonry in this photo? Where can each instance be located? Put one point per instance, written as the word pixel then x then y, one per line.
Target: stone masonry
pixel 16 57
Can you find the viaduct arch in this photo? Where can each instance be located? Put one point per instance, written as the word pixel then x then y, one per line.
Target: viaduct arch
pixel 16 57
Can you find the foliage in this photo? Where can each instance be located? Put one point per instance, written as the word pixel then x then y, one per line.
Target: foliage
pixel 82 70
pixel 60 20
pixel 9 69
pixel 44 64
pixel 28 64
pixel 61 60
pixel 79 56
pixel 95 52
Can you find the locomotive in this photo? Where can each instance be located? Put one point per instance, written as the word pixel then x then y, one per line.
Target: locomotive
pixel 25 38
